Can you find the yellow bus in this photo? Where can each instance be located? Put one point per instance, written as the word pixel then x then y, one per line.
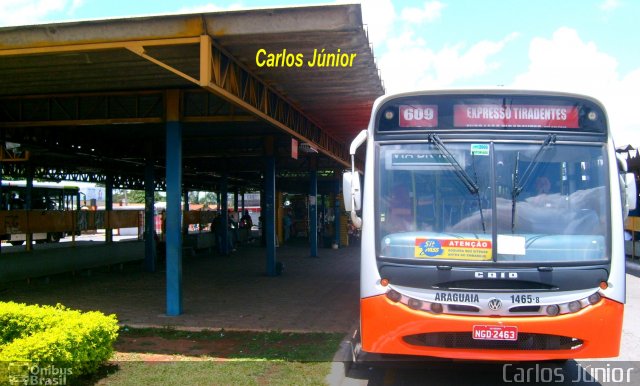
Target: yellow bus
pixel 13 196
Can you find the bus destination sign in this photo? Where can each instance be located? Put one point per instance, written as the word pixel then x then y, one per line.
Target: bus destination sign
pixel 490 115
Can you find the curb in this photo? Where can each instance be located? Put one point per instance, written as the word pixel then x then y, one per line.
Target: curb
pixel 633 268
pixel 342 360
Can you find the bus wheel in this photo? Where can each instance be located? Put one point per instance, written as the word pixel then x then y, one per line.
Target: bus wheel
pixel 16 243
pixel 53 237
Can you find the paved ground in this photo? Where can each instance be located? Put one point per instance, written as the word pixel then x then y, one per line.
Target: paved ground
pixel 313 294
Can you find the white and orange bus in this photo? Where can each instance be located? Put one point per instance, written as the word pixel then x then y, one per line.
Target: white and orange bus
pixel 492 226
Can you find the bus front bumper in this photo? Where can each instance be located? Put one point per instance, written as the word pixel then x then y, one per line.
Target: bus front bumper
pixel 393 328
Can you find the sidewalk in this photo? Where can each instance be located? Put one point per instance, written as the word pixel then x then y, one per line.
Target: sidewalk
pixel 313 294
pixel 633 266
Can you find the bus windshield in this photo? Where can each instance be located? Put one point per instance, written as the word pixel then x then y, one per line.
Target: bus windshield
pixel 521 202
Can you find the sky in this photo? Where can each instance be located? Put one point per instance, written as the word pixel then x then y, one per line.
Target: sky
pixel 584 46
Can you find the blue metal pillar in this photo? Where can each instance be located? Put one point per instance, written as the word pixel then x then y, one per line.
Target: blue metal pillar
pixel 108 204
pixel 174 231
pixel 149 217
pixel 3 208
pixel 261 219
pixel 269 216
pixel 225 215
pixel 336 213
pixel 28 202
pixel 313 212
pixel 323 216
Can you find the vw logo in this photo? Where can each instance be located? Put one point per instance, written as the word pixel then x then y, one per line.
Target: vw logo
pixel 495 304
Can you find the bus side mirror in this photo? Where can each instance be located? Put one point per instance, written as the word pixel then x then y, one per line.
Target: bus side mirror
pixel 631 192
pixel 351 182
pixel 351 191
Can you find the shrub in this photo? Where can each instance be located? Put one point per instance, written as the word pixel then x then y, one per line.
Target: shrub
pixel 55 339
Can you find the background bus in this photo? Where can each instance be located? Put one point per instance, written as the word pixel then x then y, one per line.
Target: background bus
pixel 492 227
pixel 13 196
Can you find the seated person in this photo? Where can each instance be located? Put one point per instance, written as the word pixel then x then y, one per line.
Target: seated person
pixel 400 209
pixel 543 186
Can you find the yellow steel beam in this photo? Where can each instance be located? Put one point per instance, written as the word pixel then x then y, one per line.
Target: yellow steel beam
pixel 81 122
pixel 97 46
pixel 267 104
pixel 251 94
pixel 9 156
pixel 172 105
pixel 205 60
pixel 221 118
pixel 137 47
pixel 139 50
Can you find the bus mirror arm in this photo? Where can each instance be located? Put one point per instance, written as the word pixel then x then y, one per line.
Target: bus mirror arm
pixel 355 196
pixel 355 144
pixel 351 182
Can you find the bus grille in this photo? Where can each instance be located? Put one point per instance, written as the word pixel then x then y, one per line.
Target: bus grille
pixel 526 341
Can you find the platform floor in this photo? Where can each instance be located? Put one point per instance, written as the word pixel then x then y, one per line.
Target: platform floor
pixel 313 294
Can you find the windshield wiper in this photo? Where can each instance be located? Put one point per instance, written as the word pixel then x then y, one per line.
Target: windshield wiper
pixel 469 183
pixel 517 187
pixel 475 175
pixel 460 172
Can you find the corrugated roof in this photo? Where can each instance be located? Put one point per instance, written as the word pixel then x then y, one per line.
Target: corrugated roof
pixel 90 59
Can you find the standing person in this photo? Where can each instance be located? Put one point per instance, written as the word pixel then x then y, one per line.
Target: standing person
pixel 287 225
pixel 245 226
pixel 163 225
pixel 216 228
pixel 245 220
pixel 232 233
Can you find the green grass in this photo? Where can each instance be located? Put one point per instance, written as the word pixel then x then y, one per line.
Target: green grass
pixel 249 358
pixel 217 373
pixel 273 345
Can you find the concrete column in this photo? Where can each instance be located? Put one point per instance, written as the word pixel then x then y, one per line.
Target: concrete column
pixel 323 210
pixel 28 204
pixel 3 208
pixel 149 217
pixel 336 212
pixel 108 205
pixel 224 211
pixel 174 193
pixel 313 212
pixel 263 233
pixel 269 216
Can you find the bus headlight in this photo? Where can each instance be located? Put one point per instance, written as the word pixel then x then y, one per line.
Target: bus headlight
pixel 595 298
pixel 415 303
pixel 394 296
pixel 436 308
pixel 553 310
pixel 574 306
